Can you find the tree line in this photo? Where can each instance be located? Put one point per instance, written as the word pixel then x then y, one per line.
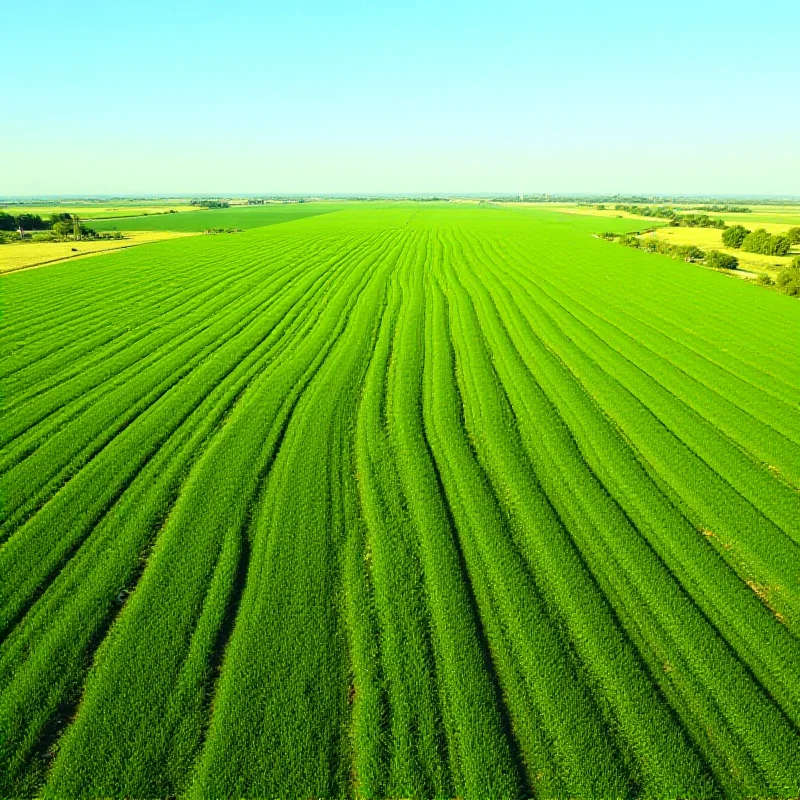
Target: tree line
pixel 676 220
pixel 210 203
pixel 760 241
pixel 788 279
pixel 684 252
pixel 60 225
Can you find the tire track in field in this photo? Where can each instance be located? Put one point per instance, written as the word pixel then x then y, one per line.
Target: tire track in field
pixel 194 453
pixel 142 318
pixel 612 589
pixel 517 776
pixel 571 346
pixel 691 539
pixel 721 424
pixel 415 756
pixel 127 415
pixel 263 598
pixel 93 467
pixel 542 753
pixel 560 404
pixel 138 338
pixel 720 518
pixel 166 760
pixel 271 291
pixel 608 653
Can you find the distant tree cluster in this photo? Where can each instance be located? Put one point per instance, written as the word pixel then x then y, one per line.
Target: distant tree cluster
pixel 210 203
pixel 724 209
pixel 662 212
pixel 28 222
pixel 696 221
pixel 58 226
pixel 734 236
pixel 759 241
pixel 676 220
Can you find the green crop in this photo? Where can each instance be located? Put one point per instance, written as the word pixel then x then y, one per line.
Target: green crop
pixel 393 501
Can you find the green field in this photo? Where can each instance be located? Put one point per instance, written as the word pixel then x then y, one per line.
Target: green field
pixel 96 211
pixel 398 501
pixel 243 217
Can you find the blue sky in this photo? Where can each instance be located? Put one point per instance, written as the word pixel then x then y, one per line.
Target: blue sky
pixel 270 97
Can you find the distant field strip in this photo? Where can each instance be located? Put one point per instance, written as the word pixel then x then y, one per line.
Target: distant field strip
pixel 398 501
pixel 243 217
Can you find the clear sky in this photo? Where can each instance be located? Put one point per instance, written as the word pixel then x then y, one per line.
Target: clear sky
pixel 257 96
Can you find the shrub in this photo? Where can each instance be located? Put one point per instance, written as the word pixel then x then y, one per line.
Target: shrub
pixel 734 236
pixel 719 260
pixel 765 280
pixel 789 278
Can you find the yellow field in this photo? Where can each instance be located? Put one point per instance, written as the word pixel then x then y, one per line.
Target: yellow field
pixel 711 239
pixel 776 219
pixel 588 211
pixel 89 211
pixel 21 255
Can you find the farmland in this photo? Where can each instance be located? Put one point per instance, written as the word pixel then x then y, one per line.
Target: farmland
pixel 21 255
pixel 96 211
pixel 243 217
pixel 397 500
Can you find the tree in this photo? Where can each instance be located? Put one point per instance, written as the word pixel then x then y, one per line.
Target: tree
pixel 31 222
pixel 793 235
pixel 734 236
pixel 789 278
pixel 719 260
pixel 7 222
pixel 780 245
pixel 63 228
pixel 759 241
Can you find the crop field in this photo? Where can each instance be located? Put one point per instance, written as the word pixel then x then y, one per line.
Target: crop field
pixel 243 217
pixel 711 238
pixel 96 211
pixel 398 501
pixel 21 255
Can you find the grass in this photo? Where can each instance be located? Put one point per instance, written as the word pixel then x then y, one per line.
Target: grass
pixel 21 255
pixel 396 501
pixel 243 217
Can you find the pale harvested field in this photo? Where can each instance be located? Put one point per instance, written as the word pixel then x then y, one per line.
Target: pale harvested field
pixel 711 239
pixel 587 211
pixel 24 255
